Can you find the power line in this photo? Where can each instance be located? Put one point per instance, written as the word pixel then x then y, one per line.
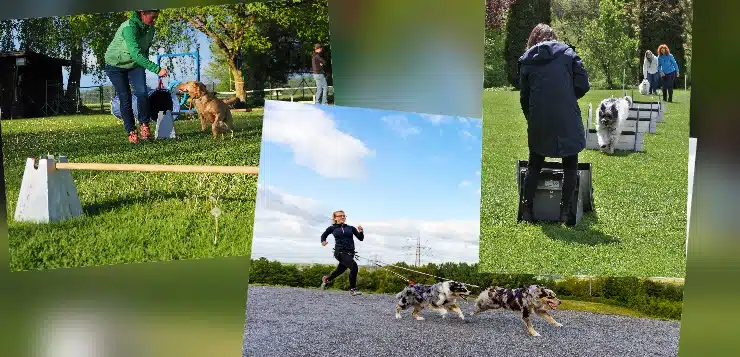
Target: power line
pixel 418 249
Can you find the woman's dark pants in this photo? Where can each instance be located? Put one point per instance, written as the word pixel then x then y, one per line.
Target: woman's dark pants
pixel 570 172
pixel 122 80
pixel 346 261
pixel 668 80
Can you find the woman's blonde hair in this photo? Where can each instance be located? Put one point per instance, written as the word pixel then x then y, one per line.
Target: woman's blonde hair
pixel 649 58
pixel 334 216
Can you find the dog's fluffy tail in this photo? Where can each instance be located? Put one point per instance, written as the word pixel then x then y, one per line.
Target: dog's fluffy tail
pixel 629 101
pixel 230 101
pixel 623 110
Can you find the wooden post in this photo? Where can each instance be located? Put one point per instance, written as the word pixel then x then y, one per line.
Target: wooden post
pixel 251 170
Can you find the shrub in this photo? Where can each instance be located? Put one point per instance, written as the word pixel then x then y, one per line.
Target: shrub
pixel 657 299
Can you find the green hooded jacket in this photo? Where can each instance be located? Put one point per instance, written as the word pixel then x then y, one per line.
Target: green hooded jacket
pixel 130 46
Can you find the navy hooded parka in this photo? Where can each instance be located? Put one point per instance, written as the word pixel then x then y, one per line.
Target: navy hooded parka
pixel 552 78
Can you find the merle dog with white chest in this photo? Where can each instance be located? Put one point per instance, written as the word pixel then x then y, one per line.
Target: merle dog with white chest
pixel 441 297
pixel 532 299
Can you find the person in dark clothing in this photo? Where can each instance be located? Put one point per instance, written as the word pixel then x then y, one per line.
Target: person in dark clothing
pixel 319 74
pixel 344 250
pixel 552 79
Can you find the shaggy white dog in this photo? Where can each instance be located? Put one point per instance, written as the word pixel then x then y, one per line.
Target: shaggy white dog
pixel 644 87
pixel 613 113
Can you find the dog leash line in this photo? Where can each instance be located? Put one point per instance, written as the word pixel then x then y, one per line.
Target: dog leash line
pixel 414 271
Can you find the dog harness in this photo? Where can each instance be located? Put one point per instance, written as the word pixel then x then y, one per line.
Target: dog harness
pixel 421 290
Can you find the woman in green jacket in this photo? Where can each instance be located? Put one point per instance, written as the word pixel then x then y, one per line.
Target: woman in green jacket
pixel 126 63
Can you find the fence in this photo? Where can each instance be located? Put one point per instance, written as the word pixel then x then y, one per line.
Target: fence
pixel 97 99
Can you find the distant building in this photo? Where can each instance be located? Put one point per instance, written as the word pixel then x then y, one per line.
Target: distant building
pixel 31 84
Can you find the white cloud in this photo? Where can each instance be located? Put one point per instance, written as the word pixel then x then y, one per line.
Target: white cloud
pixel 464 183
pixel 287 228
pixel 400 124
pixel 314 139
pixel 435 119
pixel 467 135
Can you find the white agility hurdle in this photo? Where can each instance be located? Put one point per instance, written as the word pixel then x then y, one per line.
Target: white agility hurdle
pixel 165 126
pixel 48 193
pixel 628 140
pixel 648 109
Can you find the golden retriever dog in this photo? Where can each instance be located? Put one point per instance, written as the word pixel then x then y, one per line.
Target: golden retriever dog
pixel 211 110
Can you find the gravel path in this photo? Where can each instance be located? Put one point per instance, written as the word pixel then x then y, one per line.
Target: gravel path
pixel 312 322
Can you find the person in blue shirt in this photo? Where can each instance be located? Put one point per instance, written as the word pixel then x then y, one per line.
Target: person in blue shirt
pixel 668 69
pixel 344 250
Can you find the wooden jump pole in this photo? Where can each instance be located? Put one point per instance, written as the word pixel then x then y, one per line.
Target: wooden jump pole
pixel 48 192
pixel 250 170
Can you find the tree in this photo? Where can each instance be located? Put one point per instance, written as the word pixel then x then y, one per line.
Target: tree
pixel 82 39
pixel 228 27
pixel 496 13
pixel 495 39
pixel 249 35
pixel 688 11
pixel 568 17
pixel 218 70
pixel 7 29
pixel 662 21
pixel 86 39
pixel 608 44
pixel 523 16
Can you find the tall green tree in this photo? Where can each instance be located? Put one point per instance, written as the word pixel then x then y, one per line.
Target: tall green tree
pixel 663 21
pixel 494 66
pixel 609 43
pixel 568 17
pixel 229 27
pixel 523 16
pixel 688 12
pixel 87 39
pixel 218 70
pixel 258 41
pixel 7 31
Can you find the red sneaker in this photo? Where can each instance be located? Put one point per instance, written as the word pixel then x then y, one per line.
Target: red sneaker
pixel 133 137
pixel 145 133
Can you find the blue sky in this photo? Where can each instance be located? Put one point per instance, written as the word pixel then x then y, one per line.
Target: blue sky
pixel 398 174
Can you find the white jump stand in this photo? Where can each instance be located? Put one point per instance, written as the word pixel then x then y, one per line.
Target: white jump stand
pixel 653 110
pixel 47 194
pixel 165 126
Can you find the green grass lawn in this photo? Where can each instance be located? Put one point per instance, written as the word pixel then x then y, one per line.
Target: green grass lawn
pixel 639 224
pixel 131 216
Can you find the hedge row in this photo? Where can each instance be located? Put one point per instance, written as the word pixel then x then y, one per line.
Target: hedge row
pixel 656 299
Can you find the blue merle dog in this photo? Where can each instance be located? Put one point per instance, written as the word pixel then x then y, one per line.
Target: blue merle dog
pixel 532 299
pixel 441 297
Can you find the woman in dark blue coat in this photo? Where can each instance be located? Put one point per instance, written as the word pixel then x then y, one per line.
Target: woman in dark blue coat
pixel 552 78
pixel 344 250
